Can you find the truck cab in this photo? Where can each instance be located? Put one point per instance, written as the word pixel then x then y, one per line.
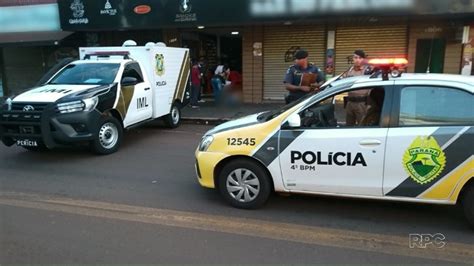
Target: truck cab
pixel 92 100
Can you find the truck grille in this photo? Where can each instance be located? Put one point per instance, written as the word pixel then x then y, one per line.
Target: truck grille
pixel 24 120
pixel 29 107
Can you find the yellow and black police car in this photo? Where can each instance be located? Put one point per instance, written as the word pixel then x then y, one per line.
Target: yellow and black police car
pixel 407 138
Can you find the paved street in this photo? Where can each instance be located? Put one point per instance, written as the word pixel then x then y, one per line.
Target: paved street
pixel 143 205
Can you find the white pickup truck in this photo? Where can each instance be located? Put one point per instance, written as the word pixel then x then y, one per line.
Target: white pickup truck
pixel 92 100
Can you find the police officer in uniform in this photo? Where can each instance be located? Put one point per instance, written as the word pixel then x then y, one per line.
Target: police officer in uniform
pixel 356 101
pixel 302 77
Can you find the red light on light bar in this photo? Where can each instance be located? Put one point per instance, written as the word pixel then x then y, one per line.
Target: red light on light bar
pixel 388 61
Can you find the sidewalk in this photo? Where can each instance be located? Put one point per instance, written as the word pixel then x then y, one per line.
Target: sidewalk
pixel 208 113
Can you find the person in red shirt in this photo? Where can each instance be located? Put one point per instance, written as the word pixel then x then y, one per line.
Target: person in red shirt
pixel 195 84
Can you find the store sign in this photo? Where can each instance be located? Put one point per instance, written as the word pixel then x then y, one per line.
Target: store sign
pixel 78 13
pixel 142 9
pixel 29 18
pixel 89 14
pixel 185 14
pixel 260 8
pixel 108 9
pixel 433 29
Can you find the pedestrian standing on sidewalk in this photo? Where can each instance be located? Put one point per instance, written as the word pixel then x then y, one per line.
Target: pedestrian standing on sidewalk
pixel 195 84
pixel 218 82
pixel 202 70
pixel 356 101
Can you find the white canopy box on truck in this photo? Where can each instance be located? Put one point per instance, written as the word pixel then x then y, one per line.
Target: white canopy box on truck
pixel 167 68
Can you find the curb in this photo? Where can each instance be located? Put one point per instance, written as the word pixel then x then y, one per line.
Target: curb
pixel 204 120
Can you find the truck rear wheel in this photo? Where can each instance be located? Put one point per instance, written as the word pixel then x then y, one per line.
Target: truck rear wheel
pixel 173 119
pixel 468 203
pixel 108 136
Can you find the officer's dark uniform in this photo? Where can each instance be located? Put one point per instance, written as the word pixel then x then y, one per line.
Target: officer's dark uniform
pixel 294 75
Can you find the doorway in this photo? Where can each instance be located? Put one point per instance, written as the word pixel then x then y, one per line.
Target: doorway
pixel 213 47
pixel 430 55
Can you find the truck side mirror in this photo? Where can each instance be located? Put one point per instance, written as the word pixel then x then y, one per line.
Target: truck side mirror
pixel 294 120
pixel 129 81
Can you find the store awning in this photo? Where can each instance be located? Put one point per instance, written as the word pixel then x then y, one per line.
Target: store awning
pixel 27 38
pixel 30 22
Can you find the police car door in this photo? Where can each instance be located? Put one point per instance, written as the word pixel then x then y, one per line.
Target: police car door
pixel 138 96
pixel 430 143
pixel 326 155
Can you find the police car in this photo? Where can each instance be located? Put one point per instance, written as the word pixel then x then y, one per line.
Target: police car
pixel 414 144
pixel 94 99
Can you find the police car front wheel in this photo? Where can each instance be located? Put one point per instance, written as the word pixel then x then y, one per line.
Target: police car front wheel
pixel 244 184
pixel 108 136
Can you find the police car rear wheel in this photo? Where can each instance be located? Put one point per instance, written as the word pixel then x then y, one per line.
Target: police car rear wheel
pixel 244 184
pixel 173 119
pixel 108 136
pixel 468 203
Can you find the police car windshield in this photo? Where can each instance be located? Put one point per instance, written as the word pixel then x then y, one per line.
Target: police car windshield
pixel 267 116
pixel 94 73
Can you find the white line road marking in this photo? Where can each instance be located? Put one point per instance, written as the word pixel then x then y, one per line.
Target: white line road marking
pixel 362 241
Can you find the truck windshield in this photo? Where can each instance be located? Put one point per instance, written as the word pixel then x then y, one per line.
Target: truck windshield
pixel 94 73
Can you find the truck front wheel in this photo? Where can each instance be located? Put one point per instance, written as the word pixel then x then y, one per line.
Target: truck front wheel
pixel 108 136
pixel 173 119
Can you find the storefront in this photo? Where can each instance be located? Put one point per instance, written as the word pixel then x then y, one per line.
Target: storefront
pixel 435 47
pixel 280 42
pixel 258 37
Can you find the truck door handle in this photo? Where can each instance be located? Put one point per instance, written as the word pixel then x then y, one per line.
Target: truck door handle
pixel 370 142
pixel 147 89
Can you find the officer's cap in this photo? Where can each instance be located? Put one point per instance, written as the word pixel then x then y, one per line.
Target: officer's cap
pixel 360 53
pixel 301 54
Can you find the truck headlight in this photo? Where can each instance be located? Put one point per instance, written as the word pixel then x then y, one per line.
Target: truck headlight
pixel 205 143
pixel 7 105
pixel 90 103
pixel 78 106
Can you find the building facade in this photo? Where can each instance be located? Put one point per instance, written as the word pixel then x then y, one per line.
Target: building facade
pixel 257 38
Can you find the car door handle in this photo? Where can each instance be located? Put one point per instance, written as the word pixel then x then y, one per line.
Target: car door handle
pixel 370 142
pixel 147 89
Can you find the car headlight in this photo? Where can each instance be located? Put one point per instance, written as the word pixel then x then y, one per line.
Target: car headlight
pixel 78 106
pixel 205 143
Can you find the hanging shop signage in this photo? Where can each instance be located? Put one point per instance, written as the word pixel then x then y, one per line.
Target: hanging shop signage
pixel 79 15
pixel 29 18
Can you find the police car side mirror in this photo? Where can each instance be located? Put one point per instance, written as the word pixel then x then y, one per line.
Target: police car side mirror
pixel 129 81
pixel 294 121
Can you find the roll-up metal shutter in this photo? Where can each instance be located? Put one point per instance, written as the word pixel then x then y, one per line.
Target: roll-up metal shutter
pixel 277 42
pixel 376 41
